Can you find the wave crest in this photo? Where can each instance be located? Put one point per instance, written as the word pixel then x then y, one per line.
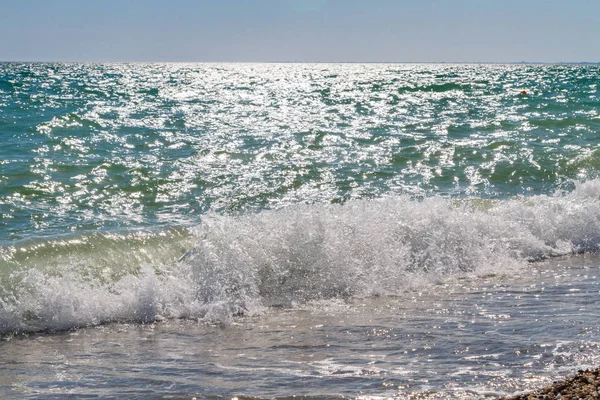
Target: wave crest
pixel 242 264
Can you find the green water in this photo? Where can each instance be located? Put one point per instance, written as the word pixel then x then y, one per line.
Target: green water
pixel 88 147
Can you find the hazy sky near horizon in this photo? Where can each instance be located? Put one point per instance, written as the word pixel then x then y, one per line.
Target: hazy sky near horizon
pixel 300 30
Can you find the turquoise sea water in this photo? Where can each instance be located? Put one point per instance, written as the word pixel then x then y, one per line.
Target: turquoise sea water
pixel 285 201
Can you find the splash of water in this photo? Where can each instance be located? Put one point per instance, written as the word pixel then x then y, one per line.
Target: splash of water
pixel 241 264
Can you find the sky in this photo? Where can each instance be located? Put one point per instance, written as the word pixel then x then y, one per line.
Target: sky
pixel 300 30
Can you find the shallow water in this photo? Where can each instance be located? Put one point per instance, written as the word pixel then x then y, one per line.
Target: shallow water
pixel 464 339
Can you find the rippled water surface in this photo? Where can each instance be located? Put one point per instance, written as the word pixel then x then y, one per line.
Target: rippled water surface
pixel 89 146
pixel 278 230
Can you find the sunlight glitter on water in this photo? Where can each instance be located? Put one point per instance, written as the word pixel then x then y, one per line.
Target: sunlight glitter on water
pixel 186 137
pixel 472 339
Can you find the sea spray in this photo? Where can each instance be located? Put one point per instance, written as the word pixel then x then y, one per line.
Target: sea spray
pixel 241 264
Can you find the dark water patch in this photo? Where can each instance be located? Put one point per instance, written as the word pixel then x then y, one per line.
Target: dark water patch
pixel 436 88
pixel 554 123
pixel 6 86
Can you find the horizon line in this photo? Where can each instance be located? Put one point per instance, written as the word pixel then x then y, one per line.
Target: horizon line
pixel 299 62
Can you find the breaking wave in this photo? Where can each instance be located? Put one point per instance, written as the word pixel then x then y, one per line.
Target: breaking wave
pixel 243 264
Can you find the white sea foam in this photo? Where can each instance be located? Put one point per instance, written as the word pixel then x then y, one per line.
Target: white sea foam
pixel 295 255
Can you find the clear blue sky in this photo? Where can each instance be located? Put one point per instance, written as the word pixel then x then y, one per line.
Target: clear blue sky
pixel 300 30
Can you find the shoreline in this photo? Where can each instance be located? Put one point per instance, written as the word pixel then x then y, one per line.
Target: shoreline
pixel 583 385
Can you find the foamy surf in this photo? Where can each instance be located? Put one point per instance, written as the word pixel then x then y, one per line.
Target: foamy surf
pixel 243 264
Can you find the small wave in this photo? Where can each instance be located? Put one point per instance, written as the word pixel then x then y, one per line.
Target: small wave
pixel 297 255
pixel 6 86
pixel 67 121
pixel 560 123
pixel 585 166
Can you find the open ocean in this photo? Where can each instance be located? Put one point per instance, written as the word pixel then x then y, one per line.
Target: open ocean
pixel 411 231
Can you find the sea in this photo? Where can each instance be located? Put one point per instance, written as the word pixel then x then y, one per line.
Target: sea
pixel 297 231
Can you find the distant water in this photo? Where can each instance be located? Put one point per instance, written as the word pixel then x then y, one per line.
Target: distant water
pixel 271 230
